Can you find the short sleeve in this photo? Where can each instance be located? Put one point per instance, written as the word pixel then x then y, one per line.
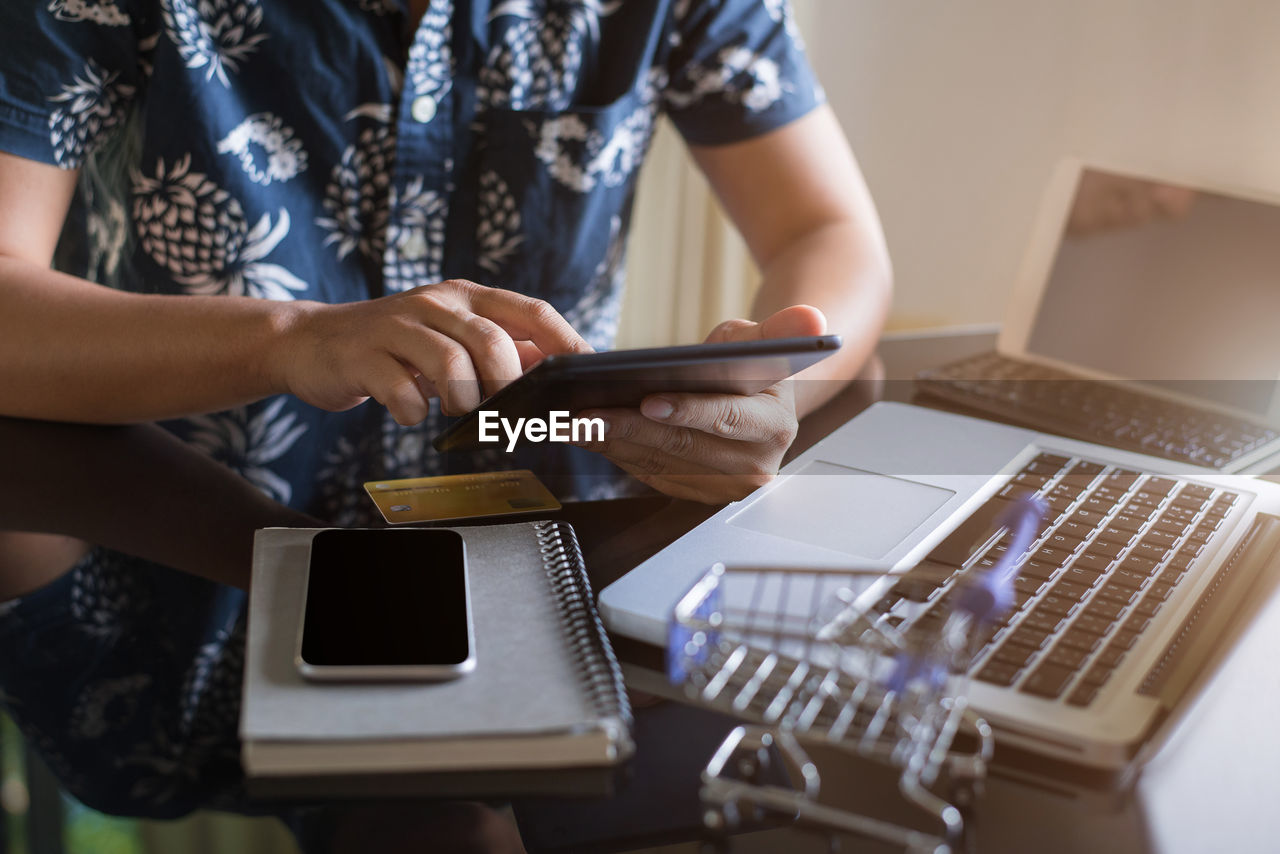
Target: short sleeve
pixel 736 69
pixel 69 70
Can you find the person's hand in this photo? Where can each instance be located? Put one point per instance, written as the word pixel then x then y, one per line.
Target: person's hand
pixel 711 447
pixel 453 340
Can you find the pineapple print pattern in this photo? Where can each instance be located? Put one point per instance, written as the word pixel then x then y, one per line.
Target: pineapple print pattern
pixel 105 591
pixel 104 12
pixel 216 35
pixel 249 442
pixel 582 157
pixel 415 237
pixel 738 75
pixel 538 60
pixel 597 313
pixel 430 64
pixel 198 232
pixel 498 223
pixel 106 704
pixel 90 107
pixel 357 196
pixel 264 135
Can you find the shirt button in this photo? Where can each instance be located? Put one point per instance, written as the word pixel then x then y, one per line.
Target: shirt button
pixel 424 109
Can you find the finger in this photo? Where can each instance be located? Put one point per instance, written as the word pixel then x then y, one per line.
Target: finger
pixel 680 443
pixel 530 355
pixel 393 384
pixel 444 364
pixel 763 418
pixel 651 461
pixel 796 321
pixel 494 356
pixel 705 489
pixel 528 319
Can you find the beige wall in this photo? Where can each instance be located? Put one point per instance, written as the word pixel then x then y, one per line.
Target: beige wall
pixel 959 108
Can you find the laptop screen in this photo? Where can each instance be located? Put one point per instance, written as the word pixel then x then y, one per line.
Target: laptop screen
pixel 1165 284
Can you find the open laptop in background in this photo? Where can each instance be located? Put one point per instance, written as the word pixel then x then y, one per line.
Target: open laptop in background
pixel 1142 568
pixel 1144 317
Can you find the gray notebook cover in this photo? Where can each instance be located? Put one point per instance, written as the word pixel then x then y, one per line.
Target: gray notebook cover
pixel 542 662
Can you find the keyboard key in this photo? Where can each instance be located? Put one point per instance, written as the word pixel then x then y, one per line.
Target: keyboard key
pixel 1138 511
pixel 1054 604
pixel 1182 560
pixel 1124 639
pixel 1092 624
pixel 1151 550
pixel 1096 675
pixel 1063 542
pixel 1092 518
pixel 1121 478
pixel 1046 621
pixel 1160 538
pixel 1093 560
pixel 1051 556
pixel 1159 485
pixel 999 673
pixel 1038 569
pixel 1195 490
pixel 1141 565
pixel 1111 656
pixel 1112 534
pixel 1161 589
pixel 1077 574
pixel 1085 468
pixel 1108 550
pixel 1019 656
pixel 1127 578
pixel 1048 680
pixel 1066 656
pixel 1189 502
pixel 1171 527
pixel 1084 694
pixel 1070 590
pixel 1080 639
pixel 1025 636
pixel 1075 529
pixel 1148 606
pixel 1027 584
pixel 1035 481
pixel 1130 523
pixel 1105 609
pixel 964 541
pixel 1117 592
pixel 1056 461
pixel 1014 491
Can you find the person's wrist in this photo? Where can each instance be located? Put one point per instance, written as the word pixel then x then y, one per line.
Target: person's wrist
pixel 286 325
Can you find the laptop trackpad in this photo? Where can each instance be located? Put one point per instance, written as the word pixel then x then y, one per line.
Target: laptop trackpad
pixel 846 509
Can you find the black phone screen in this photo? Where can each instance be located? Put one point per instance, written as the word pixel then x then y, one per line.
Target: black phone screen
pixel 386 598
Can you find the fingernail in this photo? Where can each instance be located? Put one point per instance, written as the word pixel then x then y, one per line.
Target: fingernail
pixel 657 408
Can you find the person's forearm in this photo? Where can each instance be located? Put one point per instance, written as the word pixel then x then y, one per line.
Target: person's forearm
pixel 843 271
pixel 71 350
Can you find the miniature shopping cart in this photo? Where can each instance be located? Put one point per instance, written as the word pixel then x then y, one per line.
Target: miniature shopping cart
pixel 830 659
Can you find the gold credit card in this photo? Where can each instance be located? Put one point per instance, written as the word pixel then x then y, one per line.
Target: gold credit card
pixel 460 496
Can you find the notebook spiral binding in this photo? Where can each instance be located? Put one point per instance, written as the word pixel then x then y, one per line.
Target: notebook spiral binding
pixel 566 570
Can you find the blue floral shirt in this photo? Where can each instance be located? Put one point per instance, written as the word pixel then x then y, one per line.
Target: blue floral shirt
pixel 330 150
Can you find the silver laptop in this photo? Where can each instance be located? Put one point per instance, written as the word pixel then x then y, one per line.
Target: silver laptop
pixel 1143 318
pixel 1139 569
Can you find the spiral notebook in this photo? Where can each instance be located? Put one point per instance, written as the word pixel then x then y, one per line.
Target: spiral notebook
pixel 546 693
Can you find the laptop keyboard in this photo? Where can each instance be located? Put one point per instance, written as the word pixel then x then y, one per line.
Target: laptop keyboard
pixel 1102 412
pixel 1110 553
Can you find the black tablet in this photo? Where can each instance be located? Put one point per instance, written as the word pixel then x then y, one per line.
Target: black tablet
pixel 575 382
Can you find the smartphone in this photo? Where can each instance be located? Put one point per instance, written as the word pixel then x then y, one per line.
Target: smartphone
pixel 577 381
pixel 386 605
